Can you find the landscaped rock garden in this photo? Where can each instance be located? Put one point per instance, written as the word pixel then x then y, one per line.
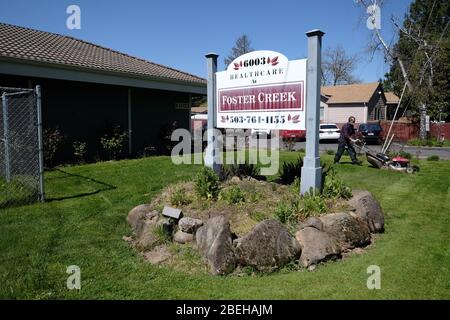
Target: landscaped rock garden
pixel 244 223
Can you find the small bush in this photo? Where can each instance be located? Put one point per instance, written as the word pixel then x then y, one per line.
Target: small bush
pixel 333 187
pixel 113 143
pixel 433 158
pixel 285 213
pixel 402 154
pixel 330 152
pixel 289 143
pixel 179 197
pixel 239 170
pixel 207 184
pixel 53 139
pixel 312 204
pixel 163 235
pixel 290 170
pixel 233 195
pixel 79 150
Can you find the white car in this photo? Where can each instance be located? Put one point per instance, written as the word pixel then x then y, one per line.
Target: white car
pixel 329 131
pixel 259 132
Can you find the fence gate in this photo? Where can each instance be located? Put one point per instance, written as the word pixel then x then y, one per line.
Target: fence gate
pixel 21 157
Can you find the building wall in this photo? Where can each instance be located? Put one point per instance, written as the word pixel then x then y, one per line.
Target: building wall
pixel 85 112
pixel 339 113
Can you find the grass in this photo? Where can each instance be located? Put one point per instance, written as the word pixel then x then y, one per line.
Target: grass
pixel 84 222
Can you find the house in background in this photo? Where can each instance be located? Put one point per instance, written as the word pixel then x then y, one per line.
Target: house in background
pixel 392 101
pixel 365 101
pixel 88 89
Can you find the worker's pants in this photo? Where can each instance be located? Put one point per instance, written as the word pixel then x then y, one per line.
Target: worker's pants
pixel 341 149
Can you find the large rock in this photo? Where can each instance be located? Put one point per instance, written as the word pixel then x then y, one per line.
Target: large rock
pixel 189 225
pixel 149 237
pixel 183 237
pixel 137 216
pixel 368 209
pixel 348 230
pixel 215 244
pixel 316 246
pixel 268 246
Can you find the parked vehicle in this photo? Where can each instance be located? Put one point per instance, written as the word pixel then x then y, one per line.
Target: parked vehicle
pixel 329 131
pixel 370 132
pixel 293 134
pixel 258 132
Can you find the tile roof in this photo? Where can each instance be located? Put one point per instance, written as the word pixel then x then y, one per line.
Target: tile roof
pixel 352 93
pixel 45 47
pixel 391 97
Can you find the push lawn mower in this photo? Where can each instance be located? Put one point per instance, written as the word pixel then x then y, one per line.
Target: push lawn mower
pixel 382 161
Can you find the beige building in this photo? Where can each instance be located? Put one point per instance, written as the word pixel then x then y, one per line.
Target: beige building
pixel 365 101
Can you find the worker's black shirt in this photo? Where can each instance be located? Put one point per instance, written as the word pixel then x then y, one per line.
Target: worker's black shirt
pixel 347 131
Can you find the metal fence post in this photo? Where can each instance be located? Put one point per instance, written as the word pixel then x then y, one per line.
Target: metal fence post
pixel 40 143
pixel 6 137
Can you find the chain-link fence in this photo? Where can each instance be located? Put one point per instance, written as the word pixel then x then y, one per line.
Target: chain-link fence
pixel 21 160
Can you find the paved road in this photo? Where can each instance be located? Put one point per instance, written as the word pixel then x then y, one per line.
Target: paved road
pixel 420 152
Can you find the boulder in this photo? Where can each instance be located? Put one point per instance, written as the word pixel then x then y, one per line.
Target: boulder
pixel 189 225
pixel 138 214
pixel 368 209
pixel 215 244
pixel 149 236
pixel 313 222
pixel 348 230
pixel 268 246
pixel 316 246
pixel 183 237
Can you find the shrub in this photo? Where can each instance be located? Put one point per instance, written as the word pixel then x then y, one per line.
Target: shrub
pixel 289 143
pixel 330 152
pixel 52 140
pixel 233 195
pixel 113 143
pixel 433 158
pixel 333 187
pixel 290 170
pixel 163 235
pixel 207 184
pixel 285 213
pixel 79 150
pixel 312 204
pixel 402 154
pixel 239 170
pixel 179 197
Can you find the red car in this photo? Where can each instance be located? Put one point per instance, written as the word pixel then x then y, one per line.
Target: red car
pixel 295 134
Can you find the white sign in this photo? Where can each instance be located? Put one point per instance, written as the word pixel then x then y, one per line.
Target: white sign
pixel 262 90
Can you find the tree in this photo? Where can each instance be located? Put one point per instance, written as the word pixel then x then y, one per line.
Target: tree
pixel 420 59
pixel 241 46
pixel 338 67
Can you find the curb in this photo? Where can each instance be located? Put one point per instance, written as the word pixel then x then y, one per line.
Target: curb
pixel 428 148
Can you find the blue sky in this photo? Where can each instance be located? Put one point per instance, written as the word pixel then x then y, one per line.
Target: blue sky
pixel 178 33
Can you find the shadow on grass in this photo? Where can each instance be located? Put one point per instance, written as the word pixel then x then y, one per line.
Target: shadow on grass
pixel 99 186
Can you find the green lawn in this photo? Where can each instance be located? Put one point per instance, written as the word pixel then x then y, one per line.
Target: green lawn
pixel 84 221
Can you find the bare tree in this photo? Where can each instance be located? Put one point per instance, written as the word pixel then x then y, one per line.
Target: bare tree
pixel 338 67
pixel 418 78
pixel 241 46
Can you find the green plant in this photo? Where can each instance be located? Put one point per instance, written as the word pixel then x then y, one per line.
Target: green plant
pixel 232 195
pixel 207 184
pixel 333 187
pixel 162 235
pixel 113 143
pixel 311 204
pixel 285 213
pixel 79 150
pixel 179 197
pixel 330 152
pixel 239 170
pixel 257 216
pixel 289 143
pixel 433 158
pixel 53 139
pixel 290 170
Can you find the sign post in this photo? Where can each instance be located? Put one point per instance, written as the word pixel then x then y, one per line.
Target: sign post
pixel 211 153
pixel 311 170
